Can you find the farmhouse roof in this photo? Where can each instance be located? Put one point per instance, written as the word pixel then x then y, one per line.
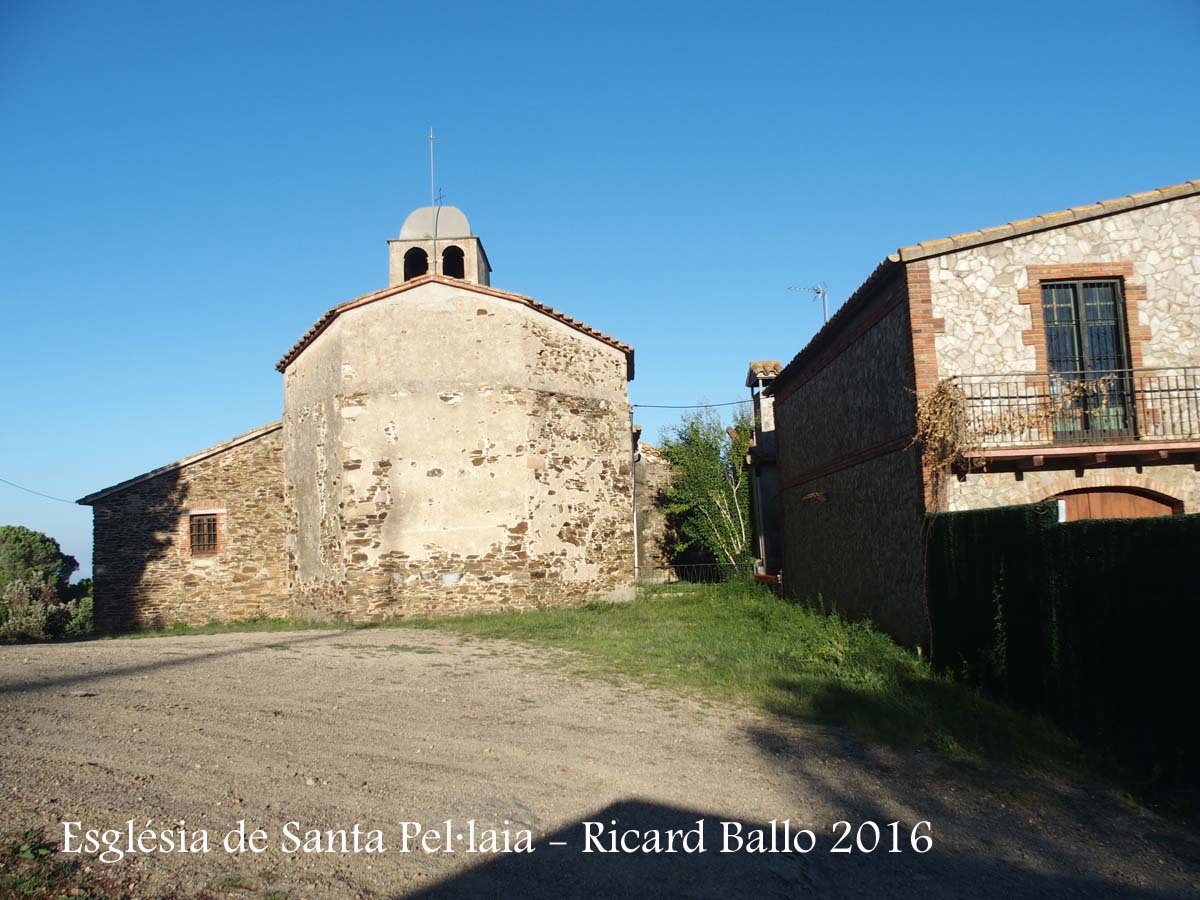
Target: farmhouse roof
pixel 968 239
pixel 762 369
pixel 1044 222
pixel 251 435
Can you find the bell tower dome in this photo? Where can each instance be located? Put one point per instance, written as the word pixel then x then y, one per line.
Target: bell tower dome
pixel 437 240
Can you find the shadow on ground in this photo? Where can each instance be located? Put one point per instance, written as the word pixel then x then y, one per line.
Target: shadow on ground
pixel 91 676
pixel 998 832
pixel 564 871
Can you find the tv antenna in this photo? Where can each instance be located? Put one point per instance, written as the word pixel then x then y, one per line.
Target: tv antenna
pixel 821 294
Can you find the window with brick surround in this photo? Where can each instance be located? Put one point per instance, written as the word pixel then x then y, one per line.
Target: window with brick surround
pixel 203 530
pixel 1087 356
pixel 1085 326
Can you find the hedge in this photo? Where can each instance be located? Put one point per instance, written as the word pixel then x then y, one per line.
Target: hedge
pixel 1092 623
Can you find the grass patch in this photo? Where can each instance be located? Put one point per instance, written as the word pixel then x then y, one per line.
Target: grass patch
pixel 739 642
pixel 30 869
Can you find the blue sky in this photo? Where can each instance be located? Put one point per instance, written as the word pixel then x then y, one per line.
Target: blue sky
pixel 184 188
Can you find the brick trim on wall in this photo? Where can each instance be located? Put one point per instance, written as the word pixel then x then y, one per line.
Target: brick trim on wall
pixel 924 326
pixel 183 528
pixel 1133 289
pixel 849 460
pixel 924 355
pixel 1061 482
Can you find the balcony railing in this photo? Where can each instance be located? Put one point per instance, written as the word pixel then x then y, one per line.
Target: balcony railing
pixel 1071 408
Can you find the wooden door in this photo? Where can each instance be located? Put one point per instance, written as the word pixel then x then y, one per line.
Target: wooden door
pixel 1101 503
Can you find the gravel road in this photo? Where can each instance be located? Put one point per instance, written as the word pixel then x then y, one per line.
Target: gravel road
pixel 387 727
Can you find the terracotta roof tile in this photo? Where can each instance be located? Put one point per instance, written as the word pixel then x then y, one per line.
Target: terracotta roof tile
pixel 762 368
pixel 1045 221
pixel 323 322
pixel 968 239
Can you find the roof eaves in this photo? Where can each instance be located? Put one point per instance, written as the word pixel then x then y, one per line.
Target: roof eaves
pixel 327 318
pixel 835 323
pixel 240 439
pixel 1046 221
pixel 968 239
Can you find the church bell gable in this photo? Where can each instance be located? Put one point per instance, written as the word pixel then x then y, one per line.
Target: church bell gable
pixel 437 240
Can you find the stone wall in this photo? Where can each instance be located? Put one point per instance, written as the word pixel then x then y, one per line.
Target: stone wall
pixel 988 330
pixel 988 303
pixel 447 451
pixel 653 475
pixel 145 574
pixel 853 543
pixel 979 490
pixel 852 493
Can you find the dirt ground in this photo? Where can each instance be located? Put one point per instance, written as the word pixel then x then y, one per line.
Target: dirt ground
pixel 384 727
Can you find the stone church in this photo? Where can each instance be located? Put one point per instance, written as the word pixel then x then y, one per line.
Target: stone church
pixel 445 447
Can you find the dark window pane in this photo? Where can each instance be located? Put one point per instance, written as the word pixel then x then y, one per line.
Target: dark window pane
pixel 1103 352
pixel 203 533
pixel 1062 348
pixel 1100 300
pixel 1085 342
pixel 1058 303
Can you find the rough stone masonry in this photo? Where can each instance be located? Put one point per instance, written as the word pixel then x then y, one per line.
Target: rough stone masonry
pixel 445 447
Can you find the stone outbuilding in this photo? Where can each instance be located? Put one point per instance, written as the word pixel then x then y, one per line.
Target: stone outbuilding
pixel 445 447
pixel 1070 346
pixel 761 459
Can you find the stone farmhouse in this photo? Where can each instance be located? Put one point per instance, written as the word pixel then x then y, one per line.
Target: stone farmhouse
pixel 445 447
pixel 1069 346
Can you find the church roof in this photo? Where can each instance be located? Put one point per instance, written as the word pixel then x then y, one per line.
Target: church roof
pixel 322 323
pixel 451 222
pixel 251 435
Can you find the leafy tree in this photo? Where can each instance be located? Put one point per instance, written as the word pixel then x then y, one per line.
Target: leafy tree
pixel 30 556
pixel 79 590
pixel 708 499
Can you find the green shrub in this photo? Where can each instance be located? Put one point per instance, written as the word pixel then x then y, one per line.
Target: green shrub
pixel 28 555
pixel 30 611
pixel 79 622
pixel 26 610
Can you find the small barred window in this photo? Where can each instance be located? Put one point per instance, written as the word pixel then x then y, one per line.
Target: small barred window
pixel 204 534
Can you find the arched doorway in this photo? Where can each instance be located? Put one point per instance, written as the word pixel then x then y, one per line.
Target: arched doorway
pixel 416 262
pixel 1117 503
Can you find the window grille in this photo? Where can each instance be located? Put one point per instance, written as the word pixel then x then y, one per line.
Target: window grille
pixel 204 534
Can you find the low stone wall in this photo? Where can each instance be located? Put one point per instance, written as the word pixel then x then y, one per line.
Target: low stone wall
pixel 145 574
pixel 653 475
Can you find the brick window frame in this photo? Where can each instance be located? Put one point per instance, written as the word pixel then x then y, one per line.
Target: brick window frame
pixel 1133 291
pixel 183 531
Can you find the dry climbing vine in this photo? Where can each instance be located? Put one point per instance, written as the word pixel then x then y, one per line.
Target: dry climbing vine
pixel 951 440
pixel 946 441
